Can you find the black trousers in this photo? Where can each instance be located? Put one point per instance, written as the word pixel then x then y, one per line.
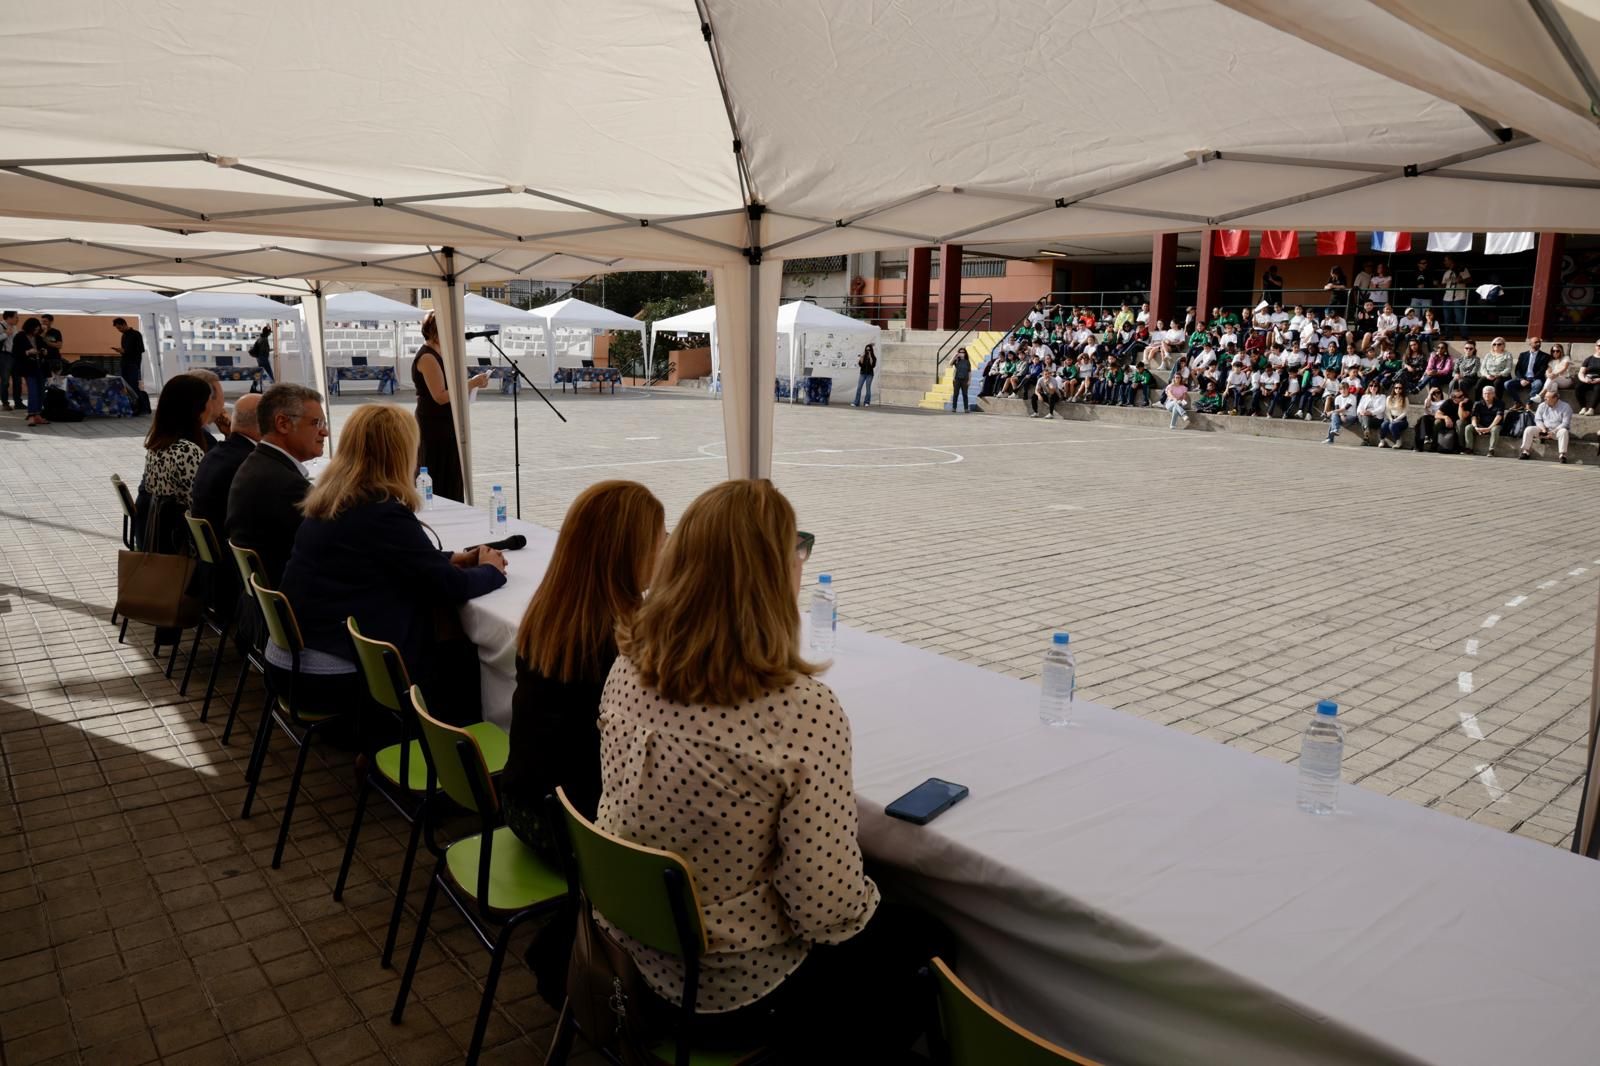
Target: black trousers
pixel 1588 394
pixel 960 393
pixel 869 987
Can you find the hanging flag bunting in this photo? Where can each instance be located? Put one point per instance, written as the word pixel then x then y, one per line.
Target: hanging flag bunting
pixel 1280 244
pixel 1230 243
pixel 1449 242
pixel 1389 240
pixel 1506 243
pixel 1336 242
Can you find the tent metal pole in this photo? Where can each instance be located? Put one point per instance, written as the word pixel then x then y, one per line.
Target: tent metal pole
pixel 83 186
pixel 1516 179
pixel 97 160
pixel 1556 26
pixel 752 393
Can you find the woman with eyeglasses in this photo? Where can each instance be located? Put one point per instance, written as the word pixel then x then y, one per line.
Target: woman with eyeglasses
pixel 1393 426
pixel 718 743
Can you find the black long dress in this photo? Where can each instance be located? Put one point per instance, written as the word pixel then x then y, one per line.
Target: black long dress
pixel 438 452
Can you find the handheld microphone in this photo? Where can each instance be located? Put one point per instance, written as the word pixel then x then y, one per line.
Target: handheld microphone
pixel 483 333
pixel 510 544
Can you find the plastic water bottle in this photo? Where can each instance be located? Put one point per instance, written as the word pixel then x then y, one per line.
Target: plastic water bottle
pixel 824 615
pixel 1321 752
pixel 425 487
pixel 497 506
pixel 1058 682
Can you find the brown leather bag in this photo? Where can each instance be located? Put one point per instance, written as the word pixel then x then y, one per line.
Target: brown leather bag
pixel 152 587
pixel 607 995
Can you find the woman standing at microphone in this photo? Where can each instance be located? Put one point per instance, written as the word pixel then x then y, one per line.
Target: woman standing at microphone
pixel 438 452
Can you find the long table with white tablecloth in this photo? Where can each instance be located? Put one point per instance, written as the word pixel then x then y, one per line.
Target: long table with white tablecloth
pixel 1147 896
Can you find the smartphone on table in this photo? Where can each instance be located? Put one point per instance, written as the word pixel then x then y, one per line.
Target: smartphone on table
pixel 927 801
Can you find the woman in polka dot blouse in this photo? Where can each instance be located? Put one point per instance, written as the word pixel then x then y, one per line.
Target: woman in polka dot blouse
pixel 719 744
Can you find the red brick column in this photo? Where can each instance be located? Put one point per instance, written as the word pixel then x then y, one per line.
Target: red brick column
pixel 1210 285
pixel 918 266
pixel 1546 295
pixel 1163 275
pixel 949 286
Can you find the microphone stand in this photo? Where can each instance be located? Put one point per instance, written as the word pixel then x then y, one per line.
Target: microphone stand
pixel 516 421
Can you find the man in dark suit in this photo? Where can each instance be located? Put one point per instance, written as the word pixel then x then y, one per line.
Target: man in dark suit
pixel 210 494
pixel 263 504
pixel 1528 376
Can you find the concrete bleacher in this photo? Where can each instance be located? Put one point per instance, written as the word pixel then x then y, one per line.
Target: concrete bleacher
pixel 1584 449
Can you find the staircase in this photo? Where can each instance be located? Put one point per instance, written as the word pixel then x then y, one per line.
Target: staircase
pixel 906 358
pixel 979 345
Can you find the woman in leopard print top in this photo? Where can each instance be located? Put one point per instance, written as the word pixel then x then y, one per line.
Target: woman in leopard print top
pixel 172 455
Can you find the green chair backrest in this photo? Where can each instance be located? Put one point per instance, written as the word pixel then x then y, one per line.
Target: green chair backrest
pixel 464 776
pixel 249 564
pixel 383 668
pixel 977 1034
pixel 281 622
pixel 624 882
pixel 205 539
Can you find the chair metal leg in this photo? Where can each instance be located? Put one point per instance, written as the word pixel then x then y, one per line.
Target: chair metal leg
pixel 114 616
pixel 561 1042
pixel 258 756
pixel 496 960
pixel 355 831
pixel 400 890
pixel 238 694
pixel 194 649
pixel 294 791
pixel 416 946
pixel 172 659
pixel 216 661
pixel 122 637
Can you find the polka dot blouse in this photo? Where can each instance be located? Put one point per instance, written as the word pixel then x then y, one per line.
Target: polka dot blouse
pixel 759 798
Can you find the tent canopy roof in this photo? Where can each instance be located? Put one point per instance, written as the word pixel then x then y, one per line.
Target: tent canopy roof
pixel 56 300
pixel 369 306
pixel 801 316
pixel 647 173
pixel 482 310
pixel 576 314
pixel 232 305
pixel 701 320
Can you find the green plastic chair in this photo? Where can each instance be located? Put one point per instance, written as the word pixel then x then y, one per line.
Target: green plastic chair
pixel 975 1034
pixel 648 894
pixel 401 772
pixel 284 710
pixel 250 565
pixel 495 880
pixel 212 616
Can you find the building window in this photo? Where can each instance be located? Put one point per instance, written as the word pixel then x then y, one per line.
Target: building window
pixel 424 294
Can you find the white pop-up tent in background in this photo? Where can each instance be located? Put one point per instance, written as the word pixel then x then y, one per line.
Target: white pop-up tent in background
pixel 794 321
pixel 197 307
pixel 576 314
pixel 150 308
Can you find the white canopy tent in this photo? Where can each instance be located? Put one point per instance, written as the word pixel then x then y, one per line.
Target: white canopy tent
pixel 701 320
pixel 576 314
pixel 370 307
pixel 202 305
pixel 150 307
pixel 799 317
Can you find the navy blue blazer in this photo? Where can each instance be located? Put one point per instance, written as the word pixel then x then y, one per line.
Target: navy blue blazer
pixel 377 563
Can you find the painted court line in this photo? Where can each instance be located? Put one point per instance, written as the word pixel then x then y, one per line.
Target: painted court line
pixel 1491 621
pixel 1485 776
pixel 1548 584
pixel 1472 646
pixel 1516 601
pixel 1469 726
pixel 1464 682
pixel 1579 572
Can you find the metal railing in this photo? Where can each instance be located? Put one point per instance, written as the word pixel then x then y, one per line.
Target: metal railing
pixel 969 322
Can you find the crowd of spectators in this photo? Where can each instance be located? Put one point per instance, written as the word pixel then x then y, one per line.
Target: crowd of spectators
pixel 1366 368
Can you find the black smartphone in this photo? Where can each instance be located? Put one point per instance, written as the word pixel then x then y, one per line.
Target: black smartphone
pixel 927 801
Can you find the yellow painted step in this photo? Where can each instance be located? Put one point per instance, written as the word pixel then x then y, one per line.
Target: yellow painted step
pixel 979 345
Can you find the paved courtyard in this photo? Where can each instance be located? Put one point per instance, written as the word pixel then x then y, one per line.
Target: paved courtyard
pixel 1219 584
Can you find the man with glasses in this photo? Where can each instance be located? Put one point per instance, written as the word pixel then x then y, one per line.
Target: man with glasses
pixel 264 502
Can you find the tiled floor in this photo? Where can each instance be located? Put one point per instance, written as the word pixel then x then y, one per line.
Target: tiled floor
pixel 1217 584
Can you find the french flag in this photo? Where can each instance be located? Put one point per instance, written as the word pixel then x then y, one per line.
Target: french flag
pixel 1388 240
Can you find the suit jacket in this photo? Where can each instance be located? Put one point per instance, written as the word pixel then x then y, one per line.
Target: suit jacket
pixel 263 507
pixel 215 477
pixel 1532 365
pixel 375 562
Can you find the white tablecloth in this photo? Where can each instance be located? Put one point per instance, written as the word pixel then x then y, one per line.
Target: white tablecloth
pixel 1146 896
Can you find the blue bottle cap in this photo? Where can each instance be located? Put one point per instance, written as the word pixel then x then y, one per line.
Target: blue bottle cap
pixel 424 470
pixel 496 488
pixel 1327 707
pixel 824 579
pixel 1059 638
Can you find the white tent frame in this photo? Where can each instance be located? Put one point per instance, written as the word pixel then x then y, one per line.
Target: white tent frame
pixel 151 308
pixel 824 321
pixel 573 313
pixel 193 306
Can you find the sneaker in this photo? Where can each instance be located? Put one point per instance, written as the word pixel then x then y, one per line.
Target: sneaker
pixel 1329 440
pixel 1563 460
pixel 1033 414
pixel 1524 455
pixel 1052 414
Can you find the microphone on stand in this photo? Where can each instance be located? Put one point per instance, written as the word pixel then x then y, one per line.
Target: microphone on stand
pixel 483 333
